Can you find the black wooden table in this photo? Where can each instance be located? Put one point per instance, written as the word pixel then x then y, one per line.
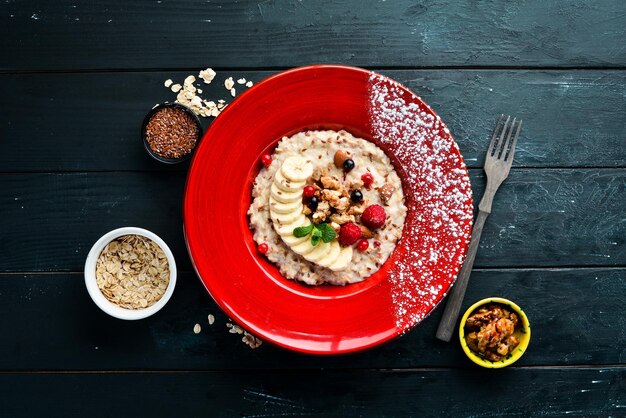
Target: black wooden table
pixel 77 79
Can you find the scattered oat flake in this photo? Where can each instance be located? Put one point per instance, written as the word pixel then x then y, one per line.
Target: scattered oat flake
pixel 189 95
pixel 168 82
pixel 241 81
pixel 249 339
pixel 229 83
pixel 207 75
pixel 249 84
pixel 252 341
pixel 211 319
pixel 234 329
pixel 197 328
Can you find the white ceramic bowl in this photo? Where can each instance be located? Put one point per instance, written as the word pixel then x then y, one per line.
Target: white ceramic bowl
pixel 97 296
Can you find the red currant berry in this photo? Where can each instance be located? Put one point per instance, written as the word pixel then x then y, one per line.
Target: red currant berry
pixel 368 179
pixel 263 248
pixel 377 244
pixel 309 191
pixel 266 160
pixel 362 245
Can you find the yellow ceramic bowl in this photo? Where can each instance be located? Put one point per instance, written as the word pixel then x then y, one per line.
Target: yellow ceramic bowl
pixel 523 334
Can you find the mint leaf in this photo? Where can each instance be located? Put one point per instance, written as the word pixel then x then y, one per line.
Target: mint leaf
pixel 302 231
pixel 316 237
pixel 328 233
pixel 315 240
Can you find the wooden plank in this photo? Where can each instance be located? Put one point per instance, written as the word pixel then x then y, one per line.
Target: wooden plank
pixel 540 217
pixel 87 122
pixel 193 33
pixel 423 393
pixel 54 325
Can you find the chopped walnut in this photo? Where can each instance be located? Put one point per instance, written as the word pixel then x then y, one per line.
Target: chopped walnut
pixel 322 212
pixel 342 205
pixel 507 346
pixel 318 173
pixel 356 209
pixel 355 185
pixel 331 196
pixel 342 218
pixel 335 226
pixel 331 182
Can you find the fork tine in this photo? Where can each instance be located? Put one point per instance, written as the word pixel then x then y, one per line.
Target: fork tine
pixel 495 134
pixel 509 158
pixel 505 147
pixel 501 140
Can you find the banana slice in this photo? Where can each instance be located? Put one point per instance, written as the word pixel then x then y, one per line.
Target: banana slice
pixel 277 207
pixel 331 257
pixel 319 253
pixel 292 241
pixel 287 185
pixel 287 229
pixel 345 256
pixel 304 248
pixel 283 196
pixel 286 218
pixel 297 169
pixel 286 212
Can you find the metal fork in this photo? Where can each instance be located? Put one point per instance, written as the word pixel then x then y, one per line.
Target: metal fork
pixel 497 166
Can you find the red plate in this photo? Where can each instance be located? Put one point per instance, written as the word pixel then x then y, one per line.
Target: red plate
pixel 328 319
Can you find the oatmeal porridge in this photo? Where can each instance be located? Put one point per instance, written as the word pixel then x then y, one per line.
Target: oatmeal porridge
pixel 327 207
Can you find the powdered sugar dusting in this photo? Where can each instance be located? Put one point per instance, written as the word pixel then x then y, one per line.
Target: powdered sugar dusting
pixel 438 197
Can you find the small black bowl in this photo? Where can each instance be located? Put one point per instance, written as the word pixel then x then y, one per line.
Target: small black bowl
pixel 146 145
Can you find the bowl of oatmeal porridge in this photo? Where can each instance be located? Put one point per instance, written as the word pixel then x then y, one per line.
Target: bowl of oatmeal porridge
pixel 327 209
pixel 316 180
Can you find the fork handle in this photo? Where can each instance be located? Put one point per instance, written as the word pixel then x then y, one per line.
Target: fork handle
pixel 455 299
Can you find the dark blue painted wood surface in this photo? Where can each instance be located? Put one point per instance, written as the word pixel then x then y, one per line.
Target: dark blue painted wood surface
pixel 77 78
pixel 72 35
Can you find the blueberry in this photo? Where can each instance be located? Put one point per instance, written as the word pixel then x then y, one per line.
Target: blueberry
pixel 348 165
pixel 312 203
pixel 356 196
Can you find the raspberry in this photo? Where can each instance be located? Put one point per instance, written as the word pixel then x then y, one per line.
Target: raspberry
pixel 266 160
pixel 309 191
pixel 367 180
pixel 362 245
pixel 349 234
pixel 263 248
pixel 374 217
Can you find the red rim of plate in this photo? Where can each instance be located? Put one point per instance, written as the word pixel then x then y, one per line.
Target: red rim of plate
pixel 328 319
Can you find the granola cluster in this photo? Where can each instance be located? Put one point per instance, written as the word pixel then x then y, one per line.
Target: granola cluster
pixel 490 331
pixel 335 204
